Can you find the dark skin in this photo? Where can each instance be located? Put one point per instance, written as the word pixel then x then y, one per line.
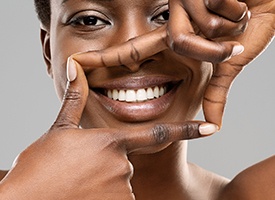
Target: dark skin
pixel 102 154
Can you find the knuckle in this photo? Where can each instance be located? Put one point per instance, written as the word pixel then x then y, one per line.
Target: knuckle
pixel 160 133
pixel 179 43
pixel 222 54
pixel 63 122
pixel 214 27
pixel 72 95
pixel 191 131
pixel 126 169
pixel 112 142
pixel 213 5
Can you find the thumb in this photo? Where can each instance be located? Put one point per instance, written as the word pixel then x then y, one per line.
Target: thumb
pixel 75 97
pixel 216 93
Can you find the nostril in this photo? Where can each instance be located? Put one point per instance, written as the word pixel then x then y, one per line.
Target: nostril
pixel 147 61
pixel 135 66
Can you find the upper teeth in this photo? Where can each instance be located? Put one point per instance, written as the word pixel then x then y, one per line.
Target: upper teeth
pixel 137 95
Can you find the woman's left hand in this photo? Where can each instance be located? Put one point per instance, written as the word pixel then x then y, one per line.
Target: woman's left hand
pixel 259 34
pixel 224 28
pixel 193 26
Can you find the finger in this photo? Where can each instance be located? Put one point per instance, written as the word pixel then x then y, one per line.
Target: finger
pixel 216 18
pixel 215 96
pixel 75 97
pixel 230 9
pixel 164 134
pixel 183 40
pixel 213 26
pixel 134 50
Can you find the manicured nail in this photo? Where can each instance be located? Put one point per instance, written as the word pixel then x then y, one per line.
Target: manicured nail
pixel 237 50
pixel 208 129
pixel 71 70
pixel 249 14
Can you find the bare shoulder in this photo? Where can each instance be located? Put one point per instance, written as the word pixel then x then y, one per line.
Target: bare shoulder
pixel 254 183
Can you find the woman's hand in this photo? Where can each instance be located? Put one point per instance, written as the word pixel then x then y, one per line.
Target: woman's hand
pixel 73 163
pixel 226 32
pixel 256 38
pixel 193 25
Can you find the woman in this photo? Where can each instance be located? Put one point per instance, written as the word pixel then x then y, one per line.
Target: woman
pixel 122 125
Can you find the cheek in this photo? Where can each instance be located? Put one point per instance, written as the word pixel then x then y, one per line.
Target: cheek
pixel 201 77
pixel 62 47
pixel 191 100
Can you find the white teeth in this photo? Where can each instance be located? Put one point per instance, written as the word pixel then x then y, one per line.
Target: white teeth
pixel 141 95
pixel 161 91
pixel 130 96
pixel 114 95
pixel 156 92
pixel 121 95
pixel 150 93
pixel 137 95
pixel 109 94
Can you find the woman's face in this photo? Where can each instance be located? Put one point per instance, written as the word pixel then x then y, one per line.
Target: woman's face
pixel 164 87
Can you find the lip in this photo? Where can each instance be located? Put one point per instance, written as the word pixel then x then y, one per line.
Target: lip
pixel 138 111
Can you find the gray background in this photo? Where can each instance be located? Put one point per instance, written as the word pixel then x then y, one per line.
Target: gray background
pixel 29 105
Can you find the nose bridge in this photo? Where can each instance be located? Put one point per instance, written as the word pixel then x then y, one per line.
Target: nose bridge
pixel 136 24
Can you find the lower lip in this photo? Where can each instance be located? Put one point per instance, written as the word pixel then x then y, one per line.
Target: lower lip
pixel 137 112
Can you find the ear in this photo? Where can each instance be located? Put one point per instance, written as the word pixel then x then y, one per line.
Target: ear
pixel 45 41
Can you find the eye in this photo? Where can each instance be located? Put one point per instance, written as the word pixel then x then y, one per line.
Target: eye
pixel 164 16
pixel 88 21
pixel 161 17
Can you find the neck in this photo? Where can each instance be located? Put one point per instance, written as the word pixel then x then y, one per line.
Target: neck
pixel 165 171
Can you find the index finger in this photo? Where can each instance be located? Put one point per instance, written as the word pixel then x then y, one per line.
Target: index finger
pixel 134 50
pixel 161 134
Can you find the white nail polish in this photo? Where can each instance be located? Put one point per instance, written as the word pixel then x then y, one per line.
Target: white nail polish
pixel 71 70
pixel 249 14
pixel 237 50
pixel 208 129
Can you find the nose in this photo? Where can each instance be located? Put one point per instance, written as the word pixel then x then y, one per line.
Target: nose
pixel 135 25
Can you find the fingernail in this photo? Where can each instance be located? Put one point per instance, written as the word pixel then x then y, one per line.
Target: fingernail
pixel 249 14
pixel 208 129
pixel 71 70
pixel 237 50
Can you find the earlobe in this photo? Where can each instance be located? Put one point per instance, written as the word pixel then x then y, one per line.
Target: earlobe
pixel 45 41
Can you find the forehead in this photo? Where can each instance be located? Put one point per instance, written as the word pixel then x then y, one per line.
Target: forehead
pixel 106 2
pixel 61 8
pixel 64 1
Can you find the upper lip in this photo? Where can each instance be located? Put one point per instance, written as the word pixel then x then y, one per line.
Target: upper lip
pixel 137 82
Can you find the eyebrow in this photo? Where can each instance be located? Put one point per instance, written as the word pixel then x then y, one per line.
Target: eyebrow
pixel 64 1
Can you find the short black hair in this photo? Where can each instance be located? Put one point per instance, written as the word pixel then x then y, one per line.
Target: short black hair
pixel 43 10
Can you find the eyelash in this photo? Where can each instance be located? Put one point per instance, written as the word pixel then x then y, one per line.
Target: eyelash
pixel 94 22
pixel 91 20
pixel 165 16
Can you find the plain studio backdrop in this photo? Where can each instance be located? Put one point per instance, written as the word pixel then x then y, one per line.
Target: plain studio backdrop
pixel 29 104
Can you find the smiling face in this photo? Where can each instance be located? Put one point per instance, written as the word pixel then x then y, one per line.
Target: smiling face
pixel 164 87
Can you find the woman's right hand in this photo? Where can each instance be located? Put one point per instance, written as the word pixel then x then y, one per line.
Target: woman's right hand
pixel 68 162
